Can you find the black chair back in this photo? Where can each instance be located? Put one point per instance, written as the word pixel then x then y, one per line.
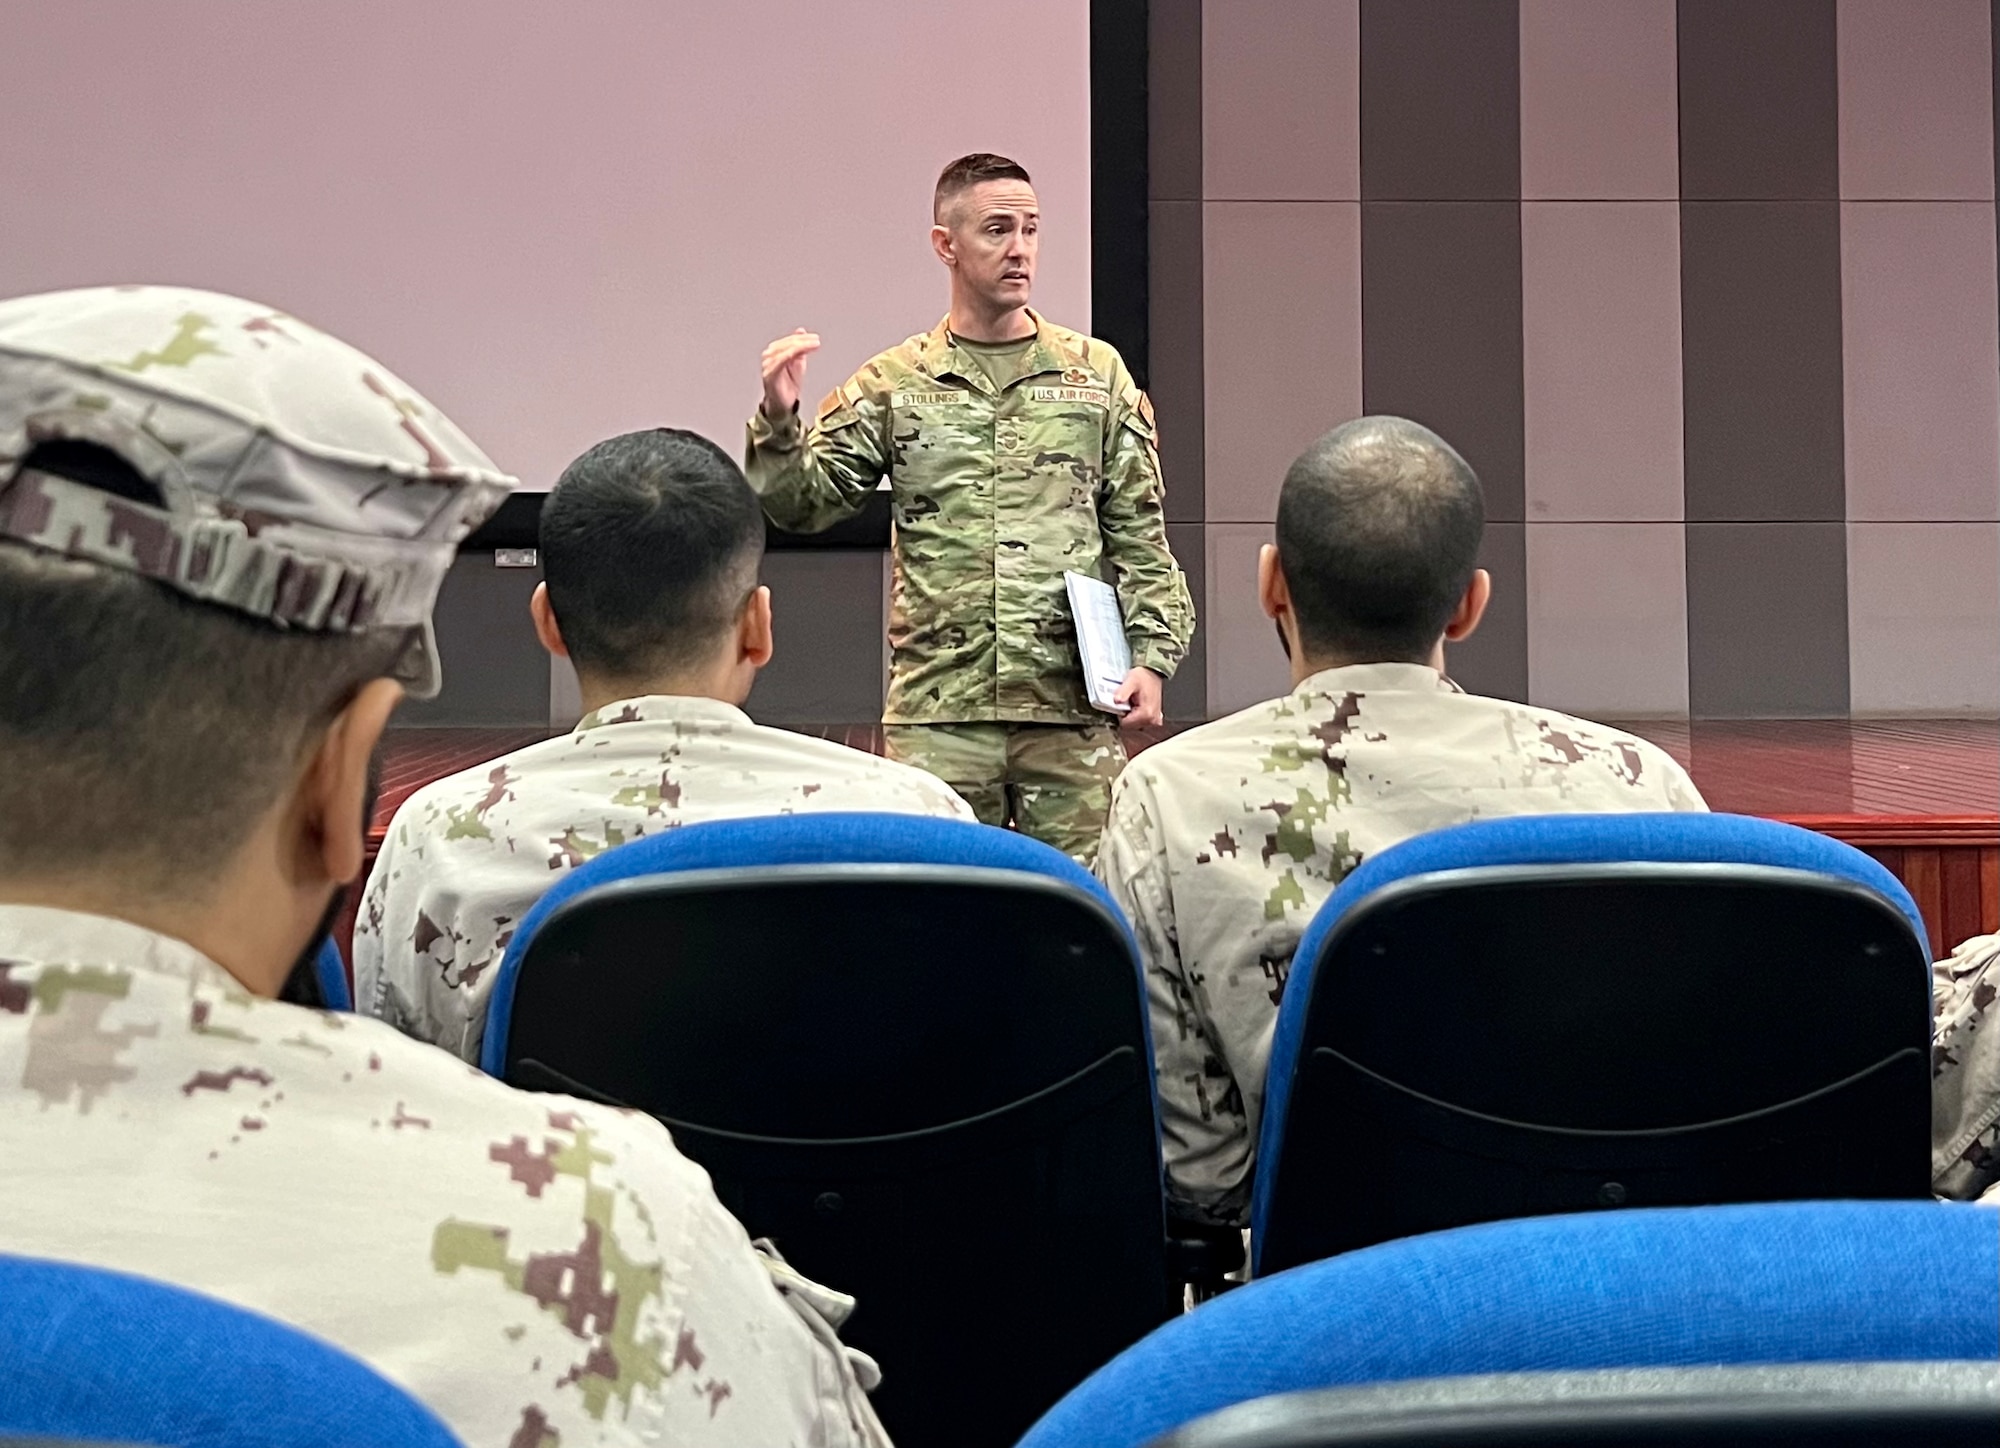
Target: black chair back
pixel 1517 1040
pixel 928 1085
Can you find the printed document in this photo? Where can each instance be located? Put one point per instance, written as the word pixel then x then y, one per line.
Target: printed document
pixel 1100 639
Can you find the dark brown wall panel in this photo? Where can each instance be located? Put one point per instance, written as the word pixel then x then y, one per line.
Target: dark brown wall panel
pixel 1767 620
pixel 1760 100
pixel 1440 100
pixel 1761 360
pixel 1173 99
pixel 495 670
pixel 1441 330
pixel 1494 661
pixel 1186 694
pixel 1179 386
pixel 827 623
pixel 1174 166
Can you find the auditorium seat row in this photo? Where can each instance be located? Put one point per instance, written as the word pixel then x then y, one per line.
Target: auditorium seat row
pixel 907 1047
pixel 1814 1323
pixel 916 1054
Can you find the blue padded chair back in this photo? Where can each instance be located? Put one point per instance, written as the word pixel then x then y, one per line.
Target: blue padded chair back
pixel 1562 1012
pixel 102 1357
pixel 331 971
pixel 895 1043
pixel 1773 1283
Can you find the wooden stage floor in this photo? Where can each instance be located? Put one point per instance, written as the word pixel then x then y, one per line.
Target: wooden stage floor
pixel 1921 795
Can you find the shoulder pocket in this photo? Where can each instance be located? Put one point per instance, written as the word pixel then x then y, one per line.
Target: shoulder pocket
pixel 840 408
pixel 1137 413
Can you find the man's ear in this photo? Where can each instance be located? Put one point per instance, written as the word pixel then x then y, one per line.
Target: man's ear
pixel 1471 608
pixel 754 644
pixel 546 627
pixel 334 787
pixel 1273 592
pixel 941 243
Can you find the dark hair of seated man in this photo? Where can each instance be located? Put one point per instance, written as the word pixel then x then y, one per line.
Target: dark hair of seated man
pixel 651 543
pixel 131 782
pixel 1378 533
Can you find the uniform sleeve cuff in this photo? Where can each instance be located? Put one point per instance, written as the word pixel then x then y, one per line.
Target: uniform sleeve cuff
pixel 783 434
pixel 1156 658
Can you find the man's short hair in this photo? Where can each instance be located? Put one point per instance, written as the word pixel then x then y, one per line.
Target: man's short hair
pixel 967 172
pixel 144 733
pixel 650 545
pixel 1379 525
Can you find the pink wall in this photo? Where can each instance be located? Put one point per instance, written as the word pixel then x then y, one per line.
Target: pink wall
pixel 557 221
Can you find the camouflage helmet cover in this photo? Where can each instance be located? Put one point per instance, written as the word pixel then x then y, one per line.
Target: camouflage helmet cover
pixel 303 483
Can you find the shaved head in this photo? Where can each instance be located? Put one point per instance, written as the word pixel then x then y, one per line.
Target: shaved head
pixel 1379 526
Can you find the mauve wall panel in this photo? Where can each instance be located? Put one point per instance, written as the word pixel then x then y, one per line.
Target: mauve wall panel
pixel 1283 363
pixel 1921 364
pixel 1922 601
pixel 1607 618
pixel 1916 100
pixel 1599 117
pixel 1281 100
pixel 1245 661
pixel 1601 360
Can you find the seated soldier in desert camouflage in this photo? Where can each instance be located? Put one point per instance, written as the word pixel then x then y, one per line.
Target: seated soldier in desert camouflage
pixel 1965 1073
pixel 221 535
pixel 1224 841
pixel 651 544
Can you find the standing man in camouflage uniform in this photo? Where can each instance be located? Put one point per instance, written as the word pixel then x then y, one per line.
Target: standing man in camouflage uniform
pixel 221 537
pixel 1016 450
pixel 1224 841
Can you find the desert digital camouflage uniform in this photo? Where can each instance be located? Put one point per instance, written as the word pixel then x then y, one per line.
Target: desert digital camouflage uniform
pixel 1224 841
pixel 1965 1072
pixel 466 857
pixel 996 492
pixel 539 1270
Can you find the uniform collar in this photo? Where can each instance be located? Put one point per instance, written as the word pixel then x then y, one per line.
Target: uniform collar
pixel 942 357
pixel 43 935
pixel 1378 679
pixel 670 708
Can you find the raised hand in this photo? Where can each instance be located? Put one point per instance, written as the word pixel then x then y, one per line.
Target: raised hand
pixel 785 372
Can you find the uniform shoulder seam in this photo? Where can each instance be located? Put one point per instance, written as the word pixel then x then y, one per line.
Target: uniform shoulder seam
pixel 1094 350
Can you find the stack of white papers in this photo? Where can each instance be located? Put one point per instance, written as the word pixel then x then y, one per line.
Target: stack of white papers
pixel 1100 639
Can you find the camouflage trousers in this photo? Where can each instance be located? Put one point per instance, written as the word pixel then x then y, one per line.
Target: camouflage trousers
pixel 1051 782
